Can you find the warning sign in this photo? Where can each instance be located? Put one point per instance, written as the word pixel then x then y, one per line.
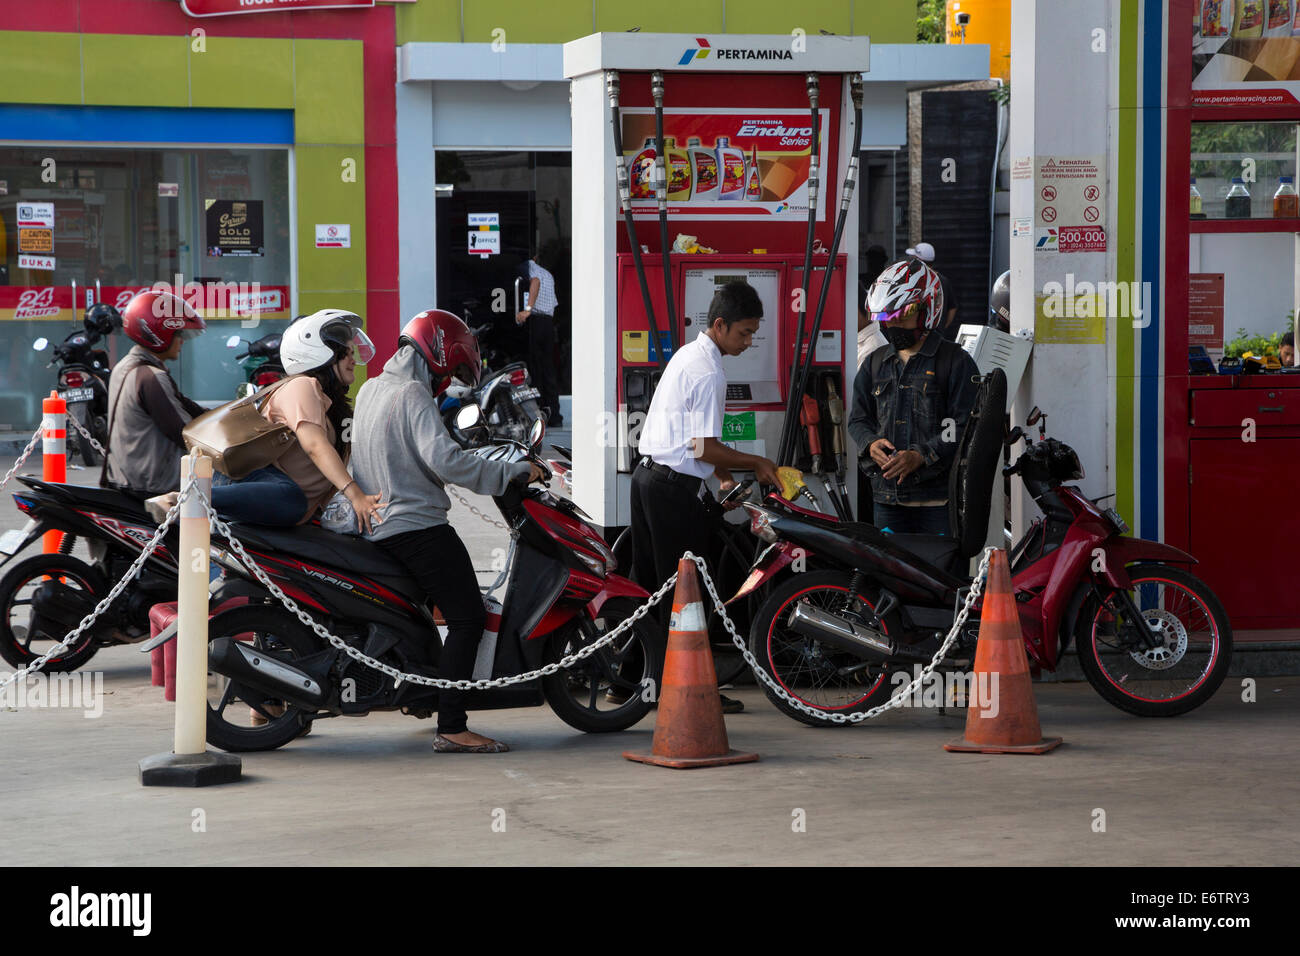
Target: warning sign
pixel 1205 312
pixel 1071 194
pixel 35 240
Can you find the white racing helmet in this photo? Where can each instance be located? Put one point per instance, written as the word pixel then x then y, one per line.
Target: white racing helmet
pixel 312 341
pixel 902 285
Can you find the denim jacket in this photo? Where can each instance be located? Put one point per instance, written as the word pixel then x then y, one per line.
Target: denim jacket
pixel 911 409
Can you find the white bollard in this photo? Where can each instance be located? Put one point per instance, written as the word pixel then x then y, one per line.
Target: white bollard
pixel 192 610
pixel 191 764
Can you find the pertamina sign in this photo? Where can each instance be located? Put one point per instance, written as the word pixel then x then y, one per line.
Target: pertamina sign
pixel 222 8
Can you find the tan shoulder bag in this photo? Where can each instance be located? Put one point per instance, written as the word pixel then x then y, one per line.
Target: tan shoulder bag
pixel 238 437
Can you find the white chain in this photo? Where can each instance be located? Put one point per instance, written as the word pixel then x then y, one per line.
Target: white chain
pixel 899 698
pixel 31 446
pixel 102 606
pixel 451 490
pixel 224 530
pixel 87 435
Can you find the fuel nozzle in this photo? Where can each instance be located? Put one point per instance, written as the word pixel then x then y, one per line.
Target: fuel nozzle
pixel 792 485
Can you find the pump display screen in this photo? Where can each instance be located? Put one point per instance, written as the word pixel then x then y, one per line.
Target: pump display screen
pixel 754 375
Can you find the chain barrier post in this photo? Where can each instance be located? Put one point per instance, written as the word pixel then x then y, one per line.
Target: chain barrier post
pixel 54 451
pixel 190 764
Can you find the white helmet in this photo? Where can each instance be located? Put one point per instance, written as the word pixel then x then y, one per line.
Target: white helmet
pixel 312 341
pixel 906 283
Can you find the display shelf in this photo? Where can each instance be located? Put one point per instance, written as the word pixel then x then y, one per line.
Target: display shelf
pixel 1244 225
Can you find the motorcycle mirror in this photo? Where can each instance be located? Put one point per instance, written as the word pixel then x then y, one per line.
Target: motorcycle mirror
pixel 233 342
pixel 469 417
pixel 244 389
pixel 535 434
pixel 1034 415
pixel 40 344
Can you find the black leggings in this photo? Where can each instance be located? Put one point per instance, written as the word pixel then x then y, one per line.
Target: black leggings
pixel 436 558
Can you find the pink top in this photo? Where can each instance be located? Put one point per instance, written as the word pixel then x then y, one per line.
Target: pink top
pixel 302 400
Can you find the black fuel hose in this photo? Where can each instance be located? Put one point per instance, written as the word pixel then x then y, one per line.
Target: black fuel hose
pixel 850 180
pixel 793 402
pixel 661 194
pixel 625 200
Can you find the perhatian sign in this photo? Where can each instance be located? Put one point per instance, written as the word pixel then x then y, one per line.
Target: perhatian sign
pixel 1070 203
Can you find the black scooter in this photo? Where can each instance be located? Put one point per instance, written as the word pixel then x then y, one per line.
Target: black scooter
pixel 83 378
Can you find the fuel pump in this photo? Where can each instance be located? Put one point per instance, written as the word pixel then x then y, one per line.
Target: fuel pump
pixel 750 144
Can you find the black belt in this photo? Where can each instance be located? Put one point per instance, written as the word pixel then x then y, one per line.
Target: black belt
pixel 663 471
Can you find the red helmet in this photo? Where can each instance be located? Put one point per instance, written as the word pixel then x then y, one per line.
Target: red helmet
pixel 153 317
pixel 448 346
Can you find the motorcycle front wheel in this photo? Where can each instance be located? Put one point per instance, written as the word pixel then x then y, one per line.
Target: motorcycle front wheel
pixel 42 599
pixel 1178 675
pixel 231 706
pixel 815 674
pixel 616 686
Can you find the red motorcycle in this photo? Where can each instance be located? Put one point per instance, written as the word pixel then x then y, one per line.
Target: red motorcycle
pixel 561 595
pixel 1152 639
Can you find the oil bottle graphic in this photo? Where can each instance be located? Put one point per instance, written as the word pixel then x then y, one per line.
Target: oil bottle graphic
pixel 641 171
pixel 679 171
pixel 731 166
pixel 753 185
pixel 704 171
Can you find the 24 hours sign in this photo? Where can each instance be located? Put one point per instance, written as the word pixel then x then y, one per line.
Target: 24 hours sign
pixel 1070 203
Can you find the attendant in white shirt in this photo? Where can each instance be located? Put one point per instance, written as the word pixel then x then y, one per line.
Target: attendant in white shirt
pixel 681 447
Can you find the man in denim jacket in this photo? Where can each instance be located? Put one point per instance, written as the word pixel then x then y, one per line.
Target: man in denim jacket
pixel 911 401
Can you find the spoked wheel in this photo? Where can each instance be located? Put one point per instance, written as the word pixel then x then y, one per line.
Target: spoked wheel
pixel 814 673
pixel 231 705
pixel 614 687
pixel 43 598
pixel 1180 673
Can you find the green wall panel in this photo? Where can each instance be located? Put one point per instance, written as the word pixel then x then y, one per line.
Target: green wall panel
pixel 527 21
pixel 328 91
pixel 324 198
pixel 665 16
pixel 775 16
pixel 242 73
pixel 428 21
pixel 40 67
pixel 885 21
pixel 136 70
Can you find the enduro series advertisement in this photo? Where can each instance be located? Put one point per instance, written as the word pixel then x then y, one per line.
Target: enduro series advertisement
pixel 725 163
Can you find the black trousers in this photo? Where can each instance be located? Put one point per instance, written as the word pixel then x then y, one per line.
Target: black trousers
pixel 668 518
pixel 541 360
pixel 436 558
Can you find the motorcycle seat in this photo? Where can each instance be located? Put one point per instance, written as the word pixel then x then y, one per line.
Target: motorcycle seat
pixel 92 496
pixel 939 550
pixel 344 551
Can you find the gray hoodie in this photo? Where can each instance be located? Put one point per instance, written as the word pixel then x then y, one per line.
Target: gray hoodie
pixel 401 448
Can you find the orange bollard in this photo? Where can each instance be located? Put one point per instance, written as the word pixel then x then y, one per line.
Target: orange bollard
pixel 54 454
pixel 1008 724
pixel 689 730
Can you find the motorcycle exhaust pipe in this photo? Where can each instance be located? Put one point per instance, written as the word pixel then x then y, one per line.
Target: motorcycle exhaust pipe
pixel 841 633
pixel 248 665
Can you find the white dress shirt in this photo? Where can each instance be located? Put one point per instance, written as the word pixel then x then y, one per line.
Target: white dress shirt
pixel 546 302
pixel 687 404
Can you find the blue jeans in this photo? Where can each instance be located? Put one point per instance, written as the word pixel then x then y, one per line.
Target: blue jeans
pixel 267 496
pixel 918 520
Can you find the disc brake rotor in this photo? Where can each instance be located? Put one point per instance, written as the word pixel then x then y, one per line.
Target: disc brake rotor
pixel 1173 641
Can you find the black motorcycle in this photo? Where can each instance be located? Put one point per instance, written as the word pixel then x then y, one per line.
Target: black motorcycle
pixel 83 378
pixel 260 362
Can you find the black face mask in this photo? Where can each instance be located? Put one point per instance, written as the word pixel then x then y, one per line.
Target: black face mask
pixel 901 338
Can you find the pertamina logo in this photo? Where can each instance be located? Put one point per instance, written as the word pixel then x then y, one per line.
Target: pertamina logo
pixel 698 54
pixel 732 53
pixel 36 303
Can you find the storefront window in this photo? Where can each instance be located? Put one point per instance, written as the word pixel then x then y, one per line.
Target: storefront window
pixel 1258 154
pixel 213 223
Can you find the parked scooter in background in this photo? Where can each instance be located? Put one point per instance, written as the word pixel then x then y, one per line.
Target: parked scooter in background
pixel 83 378
pixel 260 362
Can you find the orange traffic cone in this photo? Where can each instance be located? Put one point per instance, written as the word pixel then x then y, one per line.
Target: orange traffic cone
pixel 1008 722
pixel 689 731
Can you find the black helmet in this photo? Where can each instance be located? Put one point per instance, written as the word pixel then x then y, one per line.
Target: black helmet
pixel 1000 303
pixel 102 318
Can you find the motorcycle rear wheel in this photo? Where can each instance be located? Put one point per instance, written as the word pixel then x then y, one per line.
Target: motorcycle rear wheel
pixel 77 444
pixel 229 718
pixel 17 617
pixel 805 667
pixel 627 668
pixel 1169 680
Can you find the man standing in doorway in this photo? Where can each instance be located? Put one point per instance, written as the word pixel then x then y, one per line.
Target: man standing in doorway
pixel 672 508
pixel 540 316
